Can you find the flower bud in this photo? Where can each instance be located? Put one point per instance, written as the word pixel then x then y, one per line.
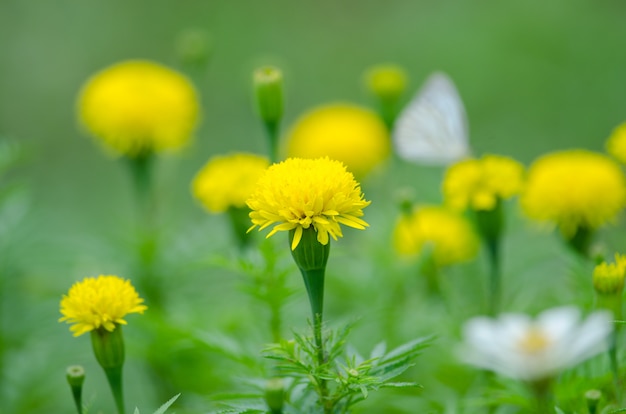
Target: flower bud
pixel 268 88
pixel 275 395
pixel 593 397
pixel 608 278
pixel 386 82
pixel 75 375
pixel 193 46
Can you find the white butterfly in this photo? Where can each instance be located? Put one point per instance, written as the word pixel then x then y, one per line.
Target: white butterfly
pixel 432 129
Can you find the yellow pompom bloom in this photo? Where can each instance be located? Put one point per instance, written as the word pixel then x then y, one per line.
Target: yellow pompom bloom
pixel 137 107
pixel 100 302
pixel 299 193
pixel 616 144
pixel 449 235
pixel 228 181
pixel 574 189
pixel 353 135
pixel 479 183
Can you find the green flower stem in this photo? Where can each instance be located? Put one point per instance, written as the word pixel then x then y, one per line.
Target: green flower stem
pixel 430 270
pixel 311 257
pixel 490 225
pixel 613 303
pixel 141 168
pixel 272 130
pixel 109 350
pixel 581 241
pixel 240 222
pixel 544 399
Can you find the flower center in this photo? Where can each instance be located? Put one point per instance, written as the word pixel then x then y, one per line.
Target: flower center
pixel 534 341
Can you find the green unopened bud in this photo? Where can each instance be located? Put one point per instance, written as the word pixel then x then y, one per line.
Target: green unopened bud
pixel 608 278
pixel 387 82
pixel 268 88
pixel 593 397
pixel 405 199
pixel 75 375
pixel 275 395
pixel 194 46
pixel 108 347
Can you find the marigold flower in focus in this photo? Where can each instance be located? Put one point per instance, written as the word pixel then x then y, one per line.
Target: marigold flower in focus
pixel 100 302
pixel 519 347
pixel 448 234
pixel 228 181
pixel 299 193
pixel 137 107
pixel 574 189
pixel 478 184
pixel 616 144
pixel 348 133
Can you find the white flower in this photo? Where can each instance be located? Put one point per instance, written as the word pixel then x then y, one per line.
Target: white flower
pixel 519 347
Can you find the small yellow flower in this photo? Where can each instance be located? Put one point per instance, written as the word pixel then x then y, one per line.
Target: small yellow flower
pixel 479 183
pixel 616 144
pixel 353 135
pixel 228 181
pixel 574 189
pixel 448 234
pixel 299 193
pixel 100 302
pixel 137 107
pixel 608 278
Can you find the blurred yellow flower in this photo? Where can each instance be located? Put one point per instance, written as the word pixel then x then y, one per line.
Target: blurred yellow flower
pixel 386 81
pixel 299 193
pixel 353 135
pixel 449 235
pixel 479 183
pixel 616 144
pixel 137 107
pixel 100 302
pixel 574 189
pixel 228 181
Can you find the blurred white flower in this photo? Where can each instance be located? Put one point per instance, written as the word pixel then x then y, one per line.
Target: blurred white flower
pixel 519 347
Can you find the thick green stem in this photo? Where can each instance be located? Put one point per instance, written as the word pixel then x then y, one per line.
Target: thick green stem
pixel 271 129
pixel 543 396
pixel 613 303
pixel 314 282
pixel 114 376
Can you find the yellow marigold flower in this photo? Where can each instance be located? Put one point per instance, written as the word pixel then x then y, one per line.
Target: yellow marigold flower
pixel 228 181
pixel 616 144
pixel 574 189
pixel 479 183
pixel 136 107
pixel 353 135
pixel 100 302
pixel 608 278
pixel 299 193
pixel 449 235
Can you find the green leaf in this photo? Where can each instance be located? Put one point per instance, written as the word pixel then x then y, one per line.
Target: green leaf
pixel 162 409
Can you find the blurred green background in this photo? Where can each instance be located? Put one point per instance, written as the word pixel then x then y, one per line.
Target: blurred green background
pixel 535 76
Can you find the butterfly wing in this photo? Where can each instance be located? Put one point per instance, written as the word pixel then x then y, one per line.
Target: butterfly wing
pixel 432 129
